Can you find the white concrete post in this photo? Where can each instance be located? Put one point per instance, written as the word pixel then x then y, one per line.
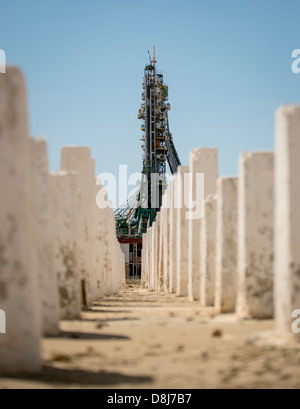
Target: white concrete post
pixel 226 250
pixel 122 274
pixel 144 259
pixel 161 248
pixel 208 252
pixel 157 244
pixel 182 221
pixel 114 250
pixel 47 276
pixel 94 248
pixel 149 266
pixel 153 259
pixel 78 158
pixel 173 234
pixel 108 242
pixel 20 346
pixel 202 161
pixel 255 235
pixel 64 187
pixel 99 251
pixel 167 243
pixel 287 221
pixel 108 262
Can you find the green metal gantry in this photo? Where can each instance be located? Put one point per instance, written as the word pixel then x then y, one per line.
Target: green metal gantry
pixel 139 212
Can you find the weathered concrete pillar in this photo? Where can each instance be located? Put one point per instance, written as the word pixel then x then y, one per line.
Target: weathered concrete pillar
pixel 255 235
pixel 149 257
pixel 121 270
pixel 109 246
pixel 202 161
pixel 208 252
pixel 114 245
pixel 226 245
pixel 287 220
pixel 120 266
pixel 116 275
pixel 122 274
pixel 183 231
pixel 47 277
pixel 166 254
pixel 20 346
pixel 108 262
pixel 98 245
pixel 157 244
pixel 161 249
pixel 93 281
pixel 105 267
pixel 173 234
pixel 153 270
pixel 91 284
pixel 78 158
pixel 144 259
pixel 64 190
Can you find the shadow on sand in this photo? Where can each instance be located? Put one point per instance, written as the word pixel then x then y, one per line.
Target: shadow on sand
pixel 91 336
pixel 58 376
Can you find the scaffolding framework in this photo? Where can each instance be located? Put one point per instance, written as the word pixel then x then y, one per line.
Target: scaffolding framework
pixel 138 214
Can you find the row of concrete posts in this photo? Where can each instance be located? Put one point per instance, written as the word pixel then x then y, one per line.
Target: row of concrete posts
pixel 233 243
pixel 58 250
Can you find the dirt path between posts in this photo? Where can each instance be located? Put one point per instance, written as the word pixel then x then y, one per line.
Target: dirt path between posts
pixel 149 340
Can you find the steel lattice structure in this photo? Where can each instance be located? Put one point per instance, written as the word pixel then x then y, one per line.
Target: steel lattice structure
pixel 139 212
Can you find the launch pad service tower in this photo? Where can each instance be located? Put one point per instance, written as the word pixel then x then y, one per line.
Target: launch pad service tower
pixel 139 212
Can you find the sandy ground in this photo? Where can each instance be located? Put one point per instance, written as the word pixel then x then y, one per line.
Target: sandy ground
pixel 149 340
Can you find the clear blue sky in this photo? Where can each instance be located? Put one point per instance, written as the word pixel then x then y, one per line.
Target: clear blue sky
pixel 227 63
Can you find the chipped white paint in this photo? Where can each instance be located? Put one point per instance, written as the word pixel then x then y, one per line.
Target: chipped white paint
pixel 78 158
pixel 64 186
